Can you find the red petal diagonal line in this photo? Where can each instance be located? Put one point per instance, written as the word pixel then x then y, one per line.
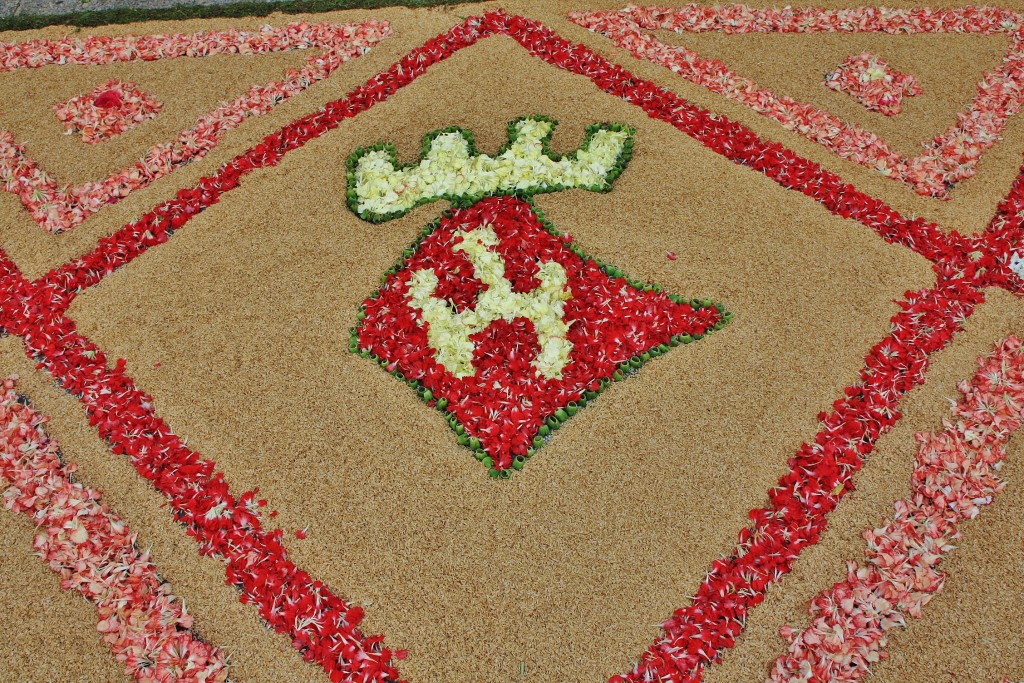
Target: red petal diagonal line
pixel 988 256
pixel 820 475
pixel 730 139
pixel 954 476
pixel 322 625
pixel 94 552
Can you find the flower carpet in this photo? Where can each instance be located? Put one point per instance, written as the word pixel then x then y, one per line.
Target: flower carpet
pixel 515 341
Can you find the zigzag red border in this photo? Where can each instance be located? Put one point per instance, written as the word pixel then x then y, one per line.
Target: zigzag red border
pixel 322 625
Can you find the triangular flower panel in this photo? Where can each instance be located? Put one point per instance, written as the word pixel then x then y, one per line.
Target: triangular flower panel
pixel 948 159
pixel 57 207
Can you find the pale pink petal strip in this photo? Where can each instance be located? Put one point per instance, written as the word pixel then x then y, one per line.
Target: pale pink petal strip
pixel 945 161
pixel 57 208
pixel 92 549
pixel 954 477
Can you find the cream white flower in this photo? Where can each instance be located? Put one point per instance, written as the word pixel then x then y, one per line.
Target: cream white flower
pixel 448 332
pixel 448 169
pixel 1017 264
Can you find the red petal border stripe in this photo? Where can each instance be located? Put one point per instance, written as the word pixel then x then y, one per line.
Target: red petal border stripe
pixel 820 475
pixel 954 477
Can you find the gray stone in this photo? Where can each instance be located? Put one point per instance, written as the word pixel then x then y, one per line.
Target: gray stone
pixel 14 8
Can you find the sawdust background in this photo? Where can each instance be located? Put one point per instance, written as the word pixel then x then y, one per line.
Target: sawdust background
pixel 566 570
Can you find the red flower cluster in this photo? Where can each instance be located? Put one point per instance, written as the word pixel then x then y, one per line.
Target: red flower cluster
pixel 110 109
pixel 108 99
pixel 506 403
pixel 869 80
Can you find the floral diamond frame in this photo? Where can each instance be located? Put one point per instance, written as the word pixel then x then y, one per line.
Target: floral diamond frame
pixel 324 626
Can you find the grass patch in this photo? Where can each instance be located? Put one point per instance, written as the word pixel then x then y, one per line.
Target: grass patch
pixel 247 8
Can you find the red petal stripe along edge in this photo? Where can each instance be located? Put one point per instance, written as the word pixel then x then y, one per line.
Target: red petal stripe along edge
pixel 954 477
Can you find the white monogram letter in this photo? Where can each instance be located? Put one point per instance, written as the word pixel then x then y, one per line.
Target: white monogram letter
pixel 448 332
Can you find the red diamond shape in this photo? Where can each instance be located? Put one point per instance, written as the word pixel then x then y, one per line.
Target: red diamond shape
pixel 505 405
pixel 110 109
pixel 868 79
